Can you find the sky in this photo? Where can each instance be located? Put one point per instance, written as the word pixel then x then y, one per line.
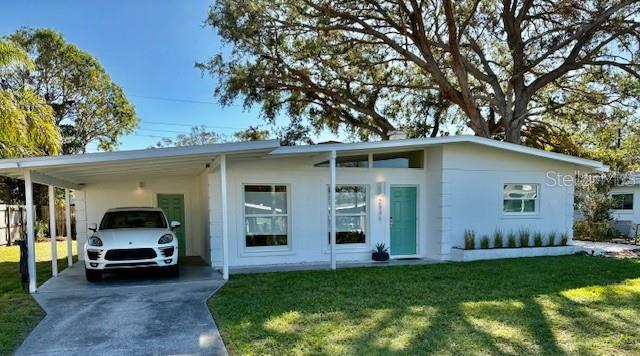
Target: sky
pixel 148 48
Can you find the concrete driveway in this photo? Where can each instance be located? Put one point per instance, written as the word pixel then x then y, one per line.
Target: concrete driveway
pixel 135 315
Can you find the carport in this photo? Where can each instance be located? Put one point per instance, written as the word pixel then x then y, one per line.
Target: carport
pixel 135 177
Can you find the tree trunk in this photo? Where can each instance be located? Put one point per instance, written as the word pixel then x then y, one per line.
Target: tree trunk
pixel 513 125
pixel 512 132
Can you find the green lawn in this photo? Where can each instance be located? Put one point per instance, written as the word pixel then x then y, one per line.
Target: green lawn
pixel 19 313
pixel 553 305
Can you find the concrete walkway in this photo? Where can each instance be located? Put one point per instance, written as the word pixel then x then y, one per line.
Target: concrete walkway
pixel 601 248
pixel 327 266
pixel 138 315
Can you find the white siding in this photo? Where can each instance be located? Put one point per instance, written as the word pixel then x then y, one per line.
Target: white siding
pixel 435 209
pixel 215 218
pixel 81 221
pixel 205 199
pixel 473 182
pixel 308 194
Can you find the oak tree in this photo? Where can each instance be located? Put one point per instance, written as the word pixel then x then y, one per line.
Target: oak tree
pixel 374 66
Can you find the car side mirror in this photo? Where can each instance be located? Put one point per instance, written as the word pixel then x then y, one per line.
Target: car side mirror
pixel 93 227
pixel 175 225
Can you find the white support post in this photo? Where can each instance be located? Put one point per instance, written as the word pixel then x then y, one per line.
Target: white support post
pixel 67 220
pixel 31 245
pixel 225 225
pixel 332 199
pixel 52 230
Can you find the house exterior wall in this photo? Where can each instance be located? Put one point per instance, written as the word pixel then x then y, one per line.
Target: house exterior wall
pixel 308 213
pixel 460 187
pixel 436 208
pixel 94 200
pixel 472 193
pixel 215 217
pixel 205 212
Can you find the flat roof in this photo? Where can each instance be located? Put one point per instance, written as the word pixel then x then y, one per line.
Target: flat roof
pixel 185 151
pixel 431 141
pixel 74 170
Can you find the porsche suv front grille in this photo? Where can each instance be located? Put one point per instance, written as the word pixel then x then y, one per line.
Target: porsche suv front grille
pixel 130 254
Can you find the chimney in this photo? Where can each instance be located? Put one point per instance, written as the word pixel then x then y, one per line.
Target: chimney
pixel 397 135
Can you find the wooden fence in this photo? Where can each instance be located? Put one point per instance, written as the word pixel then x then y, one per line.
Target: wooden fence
pixel 13 222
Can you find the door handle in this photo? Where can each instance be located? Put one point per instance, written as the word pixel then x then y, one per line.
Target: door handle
pixel 391 220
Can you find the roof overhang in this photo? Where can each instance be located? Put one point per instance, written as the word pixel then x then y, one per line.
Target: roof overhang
pixel 355 148
pixel 73 171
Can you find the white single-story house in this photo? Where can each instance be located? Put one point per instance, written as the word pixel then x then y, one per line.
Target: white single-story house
pixel 261 204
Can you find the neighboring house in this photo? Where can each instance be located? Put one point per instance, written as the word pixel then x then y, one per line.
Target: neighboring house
pixel 626 212
pixel 259 204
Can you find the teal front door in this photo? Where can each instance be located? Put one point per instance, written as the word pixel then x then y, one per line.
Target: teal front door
pixel 403 220
pixel 173 207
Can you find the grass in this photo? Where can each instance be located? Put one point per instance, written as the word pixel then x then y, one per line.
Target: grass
pixel 19 313
pixel 549 305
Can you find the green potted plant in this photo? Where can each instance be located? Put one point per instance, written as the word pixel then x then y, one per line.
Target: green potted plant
pixel 381 253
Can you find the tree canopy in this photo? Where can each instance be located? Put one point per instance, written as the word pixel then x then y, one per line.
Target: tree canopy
pixel 252 133
pixel 501 68
pixel 27 127
pixel 87 105
pixel 199 135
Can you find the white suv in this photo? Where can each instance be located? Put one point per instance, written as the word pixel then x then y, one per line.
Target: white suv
pixel 131 238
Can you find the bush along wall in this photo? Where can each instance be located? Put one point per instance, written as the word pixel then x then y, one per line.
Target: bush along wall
pixel 520 239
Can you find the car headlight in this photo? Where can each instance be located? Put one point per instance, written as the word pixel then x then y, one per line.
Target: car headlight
pixel 95 241
pixel 165 239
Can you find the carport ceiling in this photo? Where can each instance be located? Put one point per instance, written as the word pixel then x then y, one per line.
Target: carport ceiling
pixel 130 169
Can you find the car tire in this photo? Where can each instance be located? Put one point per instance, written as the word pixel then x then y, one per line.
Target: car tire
pixel 93 275
pixel 173 271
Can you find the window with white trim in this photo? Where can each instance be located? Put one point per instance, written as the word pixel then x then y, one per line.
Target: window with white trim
pixel 520 198
pixel 266 215
pixel 351 214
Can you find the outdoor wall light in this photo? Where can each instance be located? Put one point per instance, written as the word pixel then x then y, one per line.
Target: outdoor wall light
pixel 140 185
pixel 381 190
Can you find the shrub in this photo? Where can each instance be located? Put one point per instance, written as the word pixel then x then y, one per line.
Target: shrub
pixel 537 239
pixel 511 240
pixel 591 231
pixel 41 229
pixel 594 204
pixel 469 239
pixel 564 239
pixel 552 239
pixel 484 242
pixel 381 248
pixel 497 239
pixel 523 236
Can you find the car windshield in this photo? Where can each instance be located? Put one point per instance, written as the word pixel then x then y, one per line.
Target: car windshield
pixel 128 219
